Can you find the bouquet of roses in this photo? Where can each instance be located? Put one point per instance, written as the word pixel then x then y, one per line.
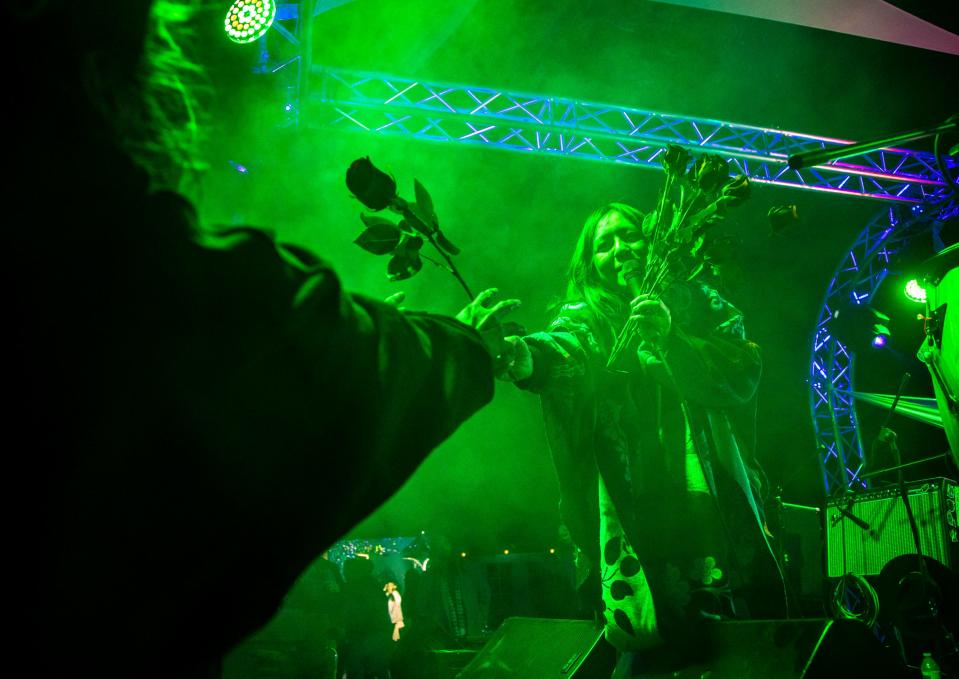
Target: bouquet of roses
pixel 678 232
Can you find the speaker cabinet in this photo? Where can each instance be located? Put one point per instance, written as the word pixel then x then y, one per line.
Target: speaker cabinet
pixel 800 545
pixel 814 648
pixel 785 649
pixel 865 535
pixel 542 648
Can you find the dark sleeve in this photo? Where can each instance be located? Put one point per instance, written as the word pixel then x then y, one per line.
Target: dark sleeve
pixel 376 387
pixel 715 366
pixel 299 409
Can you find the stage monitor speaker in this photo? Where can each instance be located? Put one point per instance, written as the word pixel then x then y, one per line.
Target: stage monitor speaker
pixel 785 649
pixel 816 648
pixel 543 648
pixel 801 542
pixel 881 531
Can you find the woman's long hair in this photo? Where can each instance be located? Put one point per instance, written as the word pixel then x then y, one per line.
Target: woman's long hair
pixel 606 308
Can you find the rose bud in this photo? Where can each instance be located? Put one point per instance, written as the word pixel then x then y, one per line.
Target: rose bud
pixel 675 160
pixel 720 170
pixel 710 172
pixel 736 190
pixel 782 216
pixel 371 186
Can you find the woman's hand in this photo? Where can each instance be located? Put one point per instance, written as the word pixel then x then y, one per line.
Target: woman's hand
pixel 652 319
pixel 486 319
pixel 481 316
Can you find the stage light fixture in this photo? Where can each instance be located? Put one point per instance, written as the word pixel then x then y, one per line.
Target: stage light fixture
pixel 915 291
pixel 247 20
pixel 880 331
pixel 860 326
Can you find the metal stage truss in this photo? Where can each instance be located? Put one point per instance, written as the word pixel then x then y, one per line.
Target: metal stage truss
pixel 832 396
pixel 909 180
pixel 560 126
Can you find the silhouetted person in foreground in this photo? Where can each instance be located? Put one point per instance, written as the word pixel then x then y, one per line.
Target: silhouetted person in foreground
pixel 198 413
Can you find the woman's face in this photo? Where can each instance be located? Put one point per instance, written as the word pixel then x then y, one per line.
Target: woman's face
pixel 617 241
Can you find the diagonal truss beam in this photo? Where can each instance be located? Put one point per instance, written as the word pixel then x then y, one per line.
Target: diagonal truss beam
pixel 516 121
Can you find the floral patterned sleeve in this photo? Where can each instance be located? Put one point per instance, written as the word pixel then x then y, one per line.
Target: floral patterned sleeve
pixel 561 353
pixel 712 361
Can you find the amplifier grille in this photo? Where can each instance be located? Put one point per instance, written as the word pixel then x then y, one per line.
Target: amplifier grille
pixel 851 548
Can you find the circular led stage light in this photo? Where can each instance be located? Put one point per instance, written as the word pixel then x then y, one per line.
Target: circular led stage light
pixel 247 20
pixel 915 291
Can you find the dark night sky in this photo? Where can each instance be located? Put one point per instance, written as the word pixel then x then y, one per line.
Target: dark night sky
pixel 516 215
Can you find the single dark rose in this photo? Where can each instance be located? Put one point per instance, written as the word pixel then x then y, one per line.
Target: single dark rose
pixel 675 160
pixel 736 190
pixel 781 217
pixel 710 172
pixel 371 186
pixel 720 170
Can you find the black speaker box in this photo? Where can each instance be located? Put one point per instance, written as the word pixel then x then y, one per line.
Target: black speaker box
pixel 801 551
pixel 542 648
pixel 788 649
pixel 535 648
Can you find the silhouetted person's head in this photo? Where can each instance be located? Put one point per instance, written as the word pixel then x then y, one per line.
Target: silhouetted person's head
pixel 107 76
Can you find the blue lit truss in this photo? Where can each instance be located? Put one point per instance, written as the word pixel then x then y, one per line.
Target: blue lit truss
pixel 385 104
pixel 564 127
pixel 832 396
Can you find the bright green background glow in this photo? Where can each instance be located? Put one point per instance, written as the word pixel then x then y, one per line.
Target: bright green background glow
pixel 516 217
pixel 491 486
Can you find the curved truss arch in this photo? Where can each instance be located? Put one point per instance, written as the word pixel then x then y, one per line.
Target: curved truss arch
pixel 832 363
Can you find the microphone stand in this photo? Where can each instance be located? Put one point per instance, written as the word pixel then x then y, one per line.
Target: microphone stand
pixel 927 584
pixel 845 509
pixel 931 458
pixel 823 156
